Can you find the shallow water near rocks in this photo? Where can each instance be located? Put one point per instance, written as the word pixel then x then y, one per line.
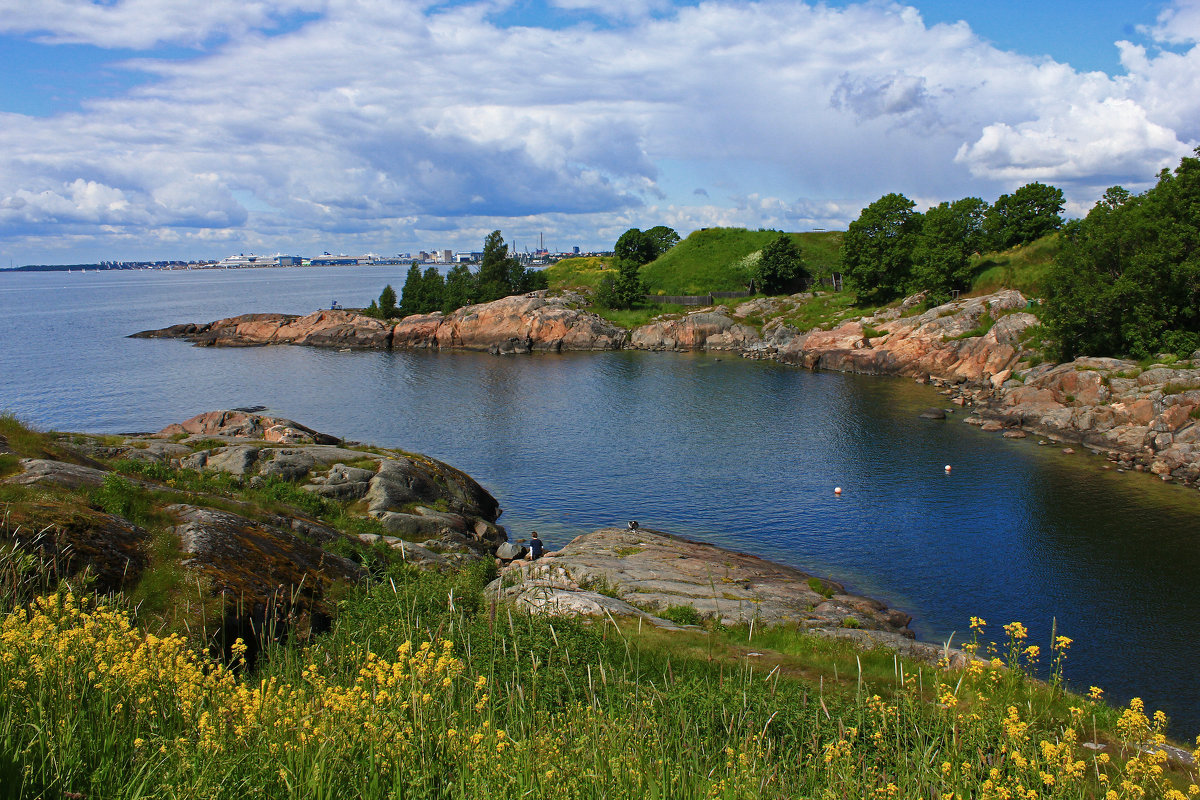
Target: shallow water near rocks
pixel 741 453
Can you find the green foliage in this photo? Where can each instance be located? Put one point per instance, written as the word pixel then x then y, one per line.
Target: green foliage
pixel 1127 280
pixel 781 268
pixel 1026 215
pixel 624 290
pixel 663 238
pixel 820 587
pixel 682 614
pixel 877 248
pixel 950 234
pixel 460 288
pixel 636 247
pixel 119 497
pixel 387 302
pixel 986 321
pixel 423 292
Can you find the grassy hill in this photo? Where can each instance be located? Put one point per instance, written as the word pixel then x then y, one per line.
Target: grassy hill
pixel 711 260
pixel 706 261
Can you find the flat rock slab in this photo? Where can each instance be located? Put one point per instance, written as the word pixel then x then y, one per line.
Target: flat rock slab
pixel 653 571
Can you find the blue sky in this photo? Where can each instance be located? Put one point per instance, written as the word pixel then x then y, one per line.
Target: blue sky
pixel 169 129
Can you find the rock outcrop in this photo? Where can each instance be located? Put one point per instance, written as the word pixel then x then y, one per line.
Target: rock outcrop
pixel 649 572
pixel 517 324
pixel 711 329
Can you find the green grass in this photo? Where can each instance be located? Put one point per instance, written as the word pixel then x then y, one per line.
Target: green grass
pixel 578 273
pixel 1024 268
pixel 826 311
pixel 710 260
pixel 631 318
pixel 986 321
pixel 820 587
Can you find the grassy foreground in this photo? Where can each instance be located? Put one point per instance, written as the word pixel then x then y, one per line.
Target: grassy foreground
pixel 426 689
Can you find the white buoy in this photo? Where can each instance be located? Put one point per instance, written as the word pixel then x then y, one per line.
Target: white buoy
pixel 837 490
pixel 947 468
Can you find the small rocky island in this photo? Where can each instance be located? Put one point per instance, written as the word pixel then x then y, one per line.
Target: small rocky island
pixel 262 519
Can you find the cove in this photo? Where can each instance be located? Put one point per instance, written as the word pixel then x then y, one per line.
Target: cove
pixel 741 453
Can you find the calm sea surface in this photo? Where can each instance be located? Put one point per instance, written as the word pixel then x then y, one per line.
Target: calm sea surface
pixel 743 454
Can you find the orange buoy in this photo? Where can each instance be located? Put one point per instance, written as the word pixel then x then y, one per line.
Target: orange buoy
pixel 947 468
pixel 837 490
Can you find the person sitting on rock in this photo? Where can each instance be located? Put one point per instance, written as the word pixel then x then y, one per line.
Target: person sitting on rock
pixel 535 546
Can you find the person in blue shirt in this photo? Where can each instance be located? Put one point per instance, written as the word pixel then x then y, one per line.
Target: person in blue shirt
pixel 535 546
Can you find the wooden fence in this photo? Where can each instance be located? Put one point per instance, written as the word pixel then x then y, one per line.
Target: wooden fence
pixel 693 299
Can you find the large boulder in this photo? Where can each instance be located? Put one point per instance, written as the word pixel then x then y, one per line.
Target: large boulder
pixel 709 329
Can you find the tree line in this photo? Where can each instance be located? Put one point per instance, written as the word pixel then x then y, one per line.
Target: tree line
pixel 892 250
pixel 1127 278
pixel 499 275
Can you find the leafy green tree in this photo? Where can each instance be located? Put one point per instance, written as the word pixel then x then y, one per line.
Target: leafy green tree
pixel 410 294
pixel 877 248
pixel 950 234
pixel 635 246
pixel 625 290
pixel 663 238
pixel 781 268
pixel 1027 214
pixel 1127 278
pixel 461 287
pixel 387 302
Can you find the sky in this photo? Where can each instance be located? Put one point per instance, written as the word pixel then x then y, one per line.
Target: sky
pixel 175 129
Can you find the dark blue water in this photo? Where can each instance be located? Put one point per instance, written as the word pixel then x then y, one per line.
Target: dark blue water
pixel 744 454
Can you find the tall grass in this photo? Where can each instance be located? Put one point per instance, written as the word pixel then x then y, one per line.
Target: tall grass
pixel 426 688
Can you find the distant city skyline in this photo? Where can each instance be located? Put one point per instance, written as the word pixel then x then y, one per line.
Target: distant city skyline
pixel 162 129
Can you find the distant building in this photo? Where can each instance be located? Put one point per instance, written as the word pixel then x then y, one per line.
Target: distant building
pixel 447 257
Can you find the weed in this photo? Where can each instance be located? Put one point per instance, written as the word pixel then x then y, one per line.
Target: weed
pixel 631 550
pixel 682 614
pixel 821 587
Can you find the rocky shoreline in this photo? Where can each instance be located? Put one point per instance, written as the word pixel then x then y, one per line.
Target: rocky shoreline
pixel 1142 418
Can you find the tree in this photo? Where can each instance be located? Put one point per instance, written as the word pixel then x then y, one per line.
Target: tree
pixel 623 291
pixel 432 289
pixel 1026 215
pixel 461 286
pixel 635 246
pixel 663 239
pixel 496 268
pixel 781 268
pixel 387 302
pixel 950 234
pixel 1127 278
pixel 410 294
pixel 877 248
